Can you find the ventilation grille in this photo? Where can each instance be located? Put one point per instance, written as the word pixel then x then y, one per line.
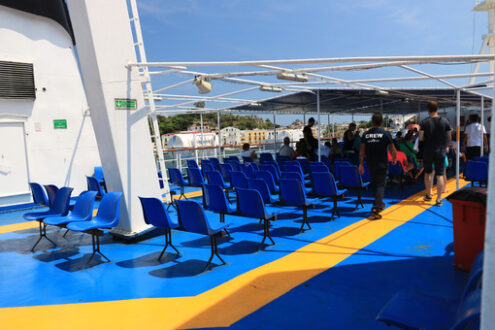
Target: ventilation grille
pixel 16 80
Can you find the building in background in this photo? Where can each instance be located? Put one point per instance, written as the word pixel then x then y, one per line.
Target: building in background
pixel 230 136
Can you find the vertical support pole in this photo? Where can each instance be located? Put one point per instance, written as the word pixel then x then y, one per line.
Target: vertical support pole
pixel 458 136
pixel 319 126
pixel 482 124
pixel 202 135
pixel 419 112
pixel 333 125
pixel 304 117
pixel 488 296
pixel 352 117
pixel 328 126
pixel 274 133
pixel 219 135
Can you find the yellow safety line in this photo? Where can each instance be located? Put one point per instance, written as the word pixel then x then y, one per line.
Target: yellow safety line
pixel 228 302
pixel 34 224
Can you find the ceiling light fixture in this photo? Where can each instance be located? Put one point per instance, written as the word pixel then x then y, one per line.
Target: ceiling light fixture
pixel 269 88
pixel 292 76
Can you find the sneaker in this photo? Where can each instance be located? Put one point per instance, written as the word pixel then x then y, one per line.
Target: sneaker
pixel 439 203
pixel 427 198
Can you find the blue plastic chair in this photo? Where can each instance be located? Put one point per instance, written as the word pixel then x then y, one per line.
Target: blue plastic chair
pixel 39 196
pixel 248 171
pixel 292 193
pixel 272 169
pixel 251 205
pixel 193 219
pixel 51 192
pixel 107 217
pixel 191 163
pixel 83 211
pixel 216 178
pixel 320 167
pixel 177 179
pixel 155 214
pixel 239 180
pixel 266 157
pixel 236 165
pixel 397 171
pixel 324 186
pixel 295 168
pixel 206 166
pixel 275 165
pixel 325 160
pixel 366 177
pixel 476 171
pixel 261 186
pixel 234 158
pixel 60 207
pixel 247 159
pixel 98 174
pixel 195 177
pixel 268 177
pixel 350 178
pixel 282 159
pixel 305 165
pixel 217 201
pixel 298 177
pixel 95 186
pixel 215 162
pixel 226 169
pixel 255 166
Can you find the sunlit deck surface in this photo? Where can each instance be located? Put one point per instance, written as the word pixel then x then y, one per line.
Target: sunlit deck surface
pixel 337 275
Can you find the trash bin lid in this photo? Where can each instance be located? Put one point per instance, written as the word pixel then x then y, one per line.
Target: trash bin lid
pixel 470 194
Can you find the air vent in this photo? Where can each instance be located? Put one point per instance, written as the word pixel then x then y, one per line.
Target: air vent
pixel 16 80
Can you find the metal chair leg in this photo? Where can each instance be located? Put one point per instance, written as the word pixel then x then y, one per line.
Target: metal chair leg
pixel 266 232
pixel 168 241
pixel 212 253
pixel 305 219
pixel 42 234
pixel 66 232
pixel 96 248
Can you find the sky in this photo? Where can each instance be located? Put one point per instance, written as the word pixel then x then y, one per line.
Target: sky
pixel 199 30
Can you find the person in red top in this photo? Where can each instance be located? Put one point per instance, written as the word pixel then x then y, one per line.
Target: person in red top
pixel 402 159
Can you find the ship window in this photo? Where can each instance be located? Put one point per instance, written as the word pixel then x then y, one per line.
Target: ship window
pixel 16 80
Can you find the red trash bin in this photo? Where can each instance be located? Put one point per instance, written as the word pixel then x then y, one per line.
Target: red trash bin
pixel 469 213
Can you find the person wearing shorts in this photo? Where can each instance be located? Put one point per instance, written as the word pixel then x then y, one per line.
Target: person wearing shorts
pixel 435 133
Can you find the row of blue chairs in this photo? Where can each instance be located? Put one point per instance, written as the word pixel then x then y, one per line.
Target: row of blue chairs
pixel 476 172
pixel 80 219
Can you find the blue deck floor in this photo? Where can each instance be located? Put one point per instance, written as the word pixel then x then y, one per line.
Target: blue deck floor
pixel 415 255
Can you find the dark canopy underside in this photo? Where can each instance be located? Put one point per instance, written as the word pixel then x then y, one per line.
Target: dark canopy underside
pixel 394 101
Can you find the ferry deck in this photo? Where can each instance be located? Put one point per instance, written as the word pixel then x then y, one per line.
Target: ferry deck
pixel 337 275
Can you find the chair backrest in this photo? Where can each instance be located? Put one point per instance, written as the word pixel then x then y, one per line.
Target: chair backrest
pixel 272 169
pixel 292 192
pixel 319 168
pixel 247 159
pixel 251 204
pixel 215 198
pixel 51 192
pixel 305 165
pixel 234 158
pixel 239 180
pixel 62 201
pixel 94 185
pixel 292 168
pixel 292 175
pixel 366 176
pixel 396 169
pixel 254 166
pixel 109 209
pixel 476 171
pixel 215 178
pixel 268 178
pixel 236 165
pixel 195 177
pixel 206 166
pixel 176 177
pixel 324 184
pixel 83 208
pixel 39 196
pixel 248 171
pixel 192 218
pixel 215 162
pixel 191 163
pixel 275 165
pixel 99 173
pixel 349 177
pixel 155 213
pixel 226 169
pixel 282 159
pixel 261 186
pixel 266 156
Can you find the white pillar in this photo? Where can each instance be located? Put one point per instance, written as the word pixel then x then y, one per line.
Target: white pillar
pixel 105 45
pixel 274 133
pixel 202 136
pixel 333 125
pixel 328 127
pixel 488 296
pixel 304 117
pixel 482 123
pixel 458 136
pixel 219 135
pixel 319 126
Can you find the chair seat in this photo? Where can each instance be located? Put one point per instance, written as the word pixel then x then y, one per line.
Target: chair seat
pixel 216 227
pixel 88 225
pixel 61 220
pixel 408 309
pixel 40 215
pixel 340 192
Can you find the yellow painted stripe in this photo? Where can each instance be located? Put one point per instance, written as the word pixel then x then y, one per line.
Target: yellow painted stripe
pixel 34 224
pixel 228 302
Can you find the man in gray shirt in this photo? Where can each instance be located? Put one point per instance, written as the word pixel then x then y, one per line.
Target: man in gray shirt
pixel 286 150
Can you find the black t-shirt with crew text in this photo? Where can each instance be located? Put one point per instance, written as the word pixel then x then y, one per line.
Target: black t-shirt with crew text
pixel 376 142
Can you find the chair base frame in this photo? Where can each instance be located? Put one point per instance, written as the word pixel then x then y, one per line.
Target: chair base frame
pixel 42 234
pixel 95 238
pixel 266 232
pixel 305 218
pixel 168 241
pixel 214 250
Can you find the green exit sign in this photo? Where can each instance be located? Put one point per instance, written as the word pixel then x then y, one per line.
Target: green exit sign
pixel 125 104
pixel 60 123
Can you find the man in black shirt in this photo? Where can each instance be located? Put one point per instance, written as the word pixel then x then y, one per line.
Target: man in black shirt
pixel 374 145
pixel 435 132
pixel 311 142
